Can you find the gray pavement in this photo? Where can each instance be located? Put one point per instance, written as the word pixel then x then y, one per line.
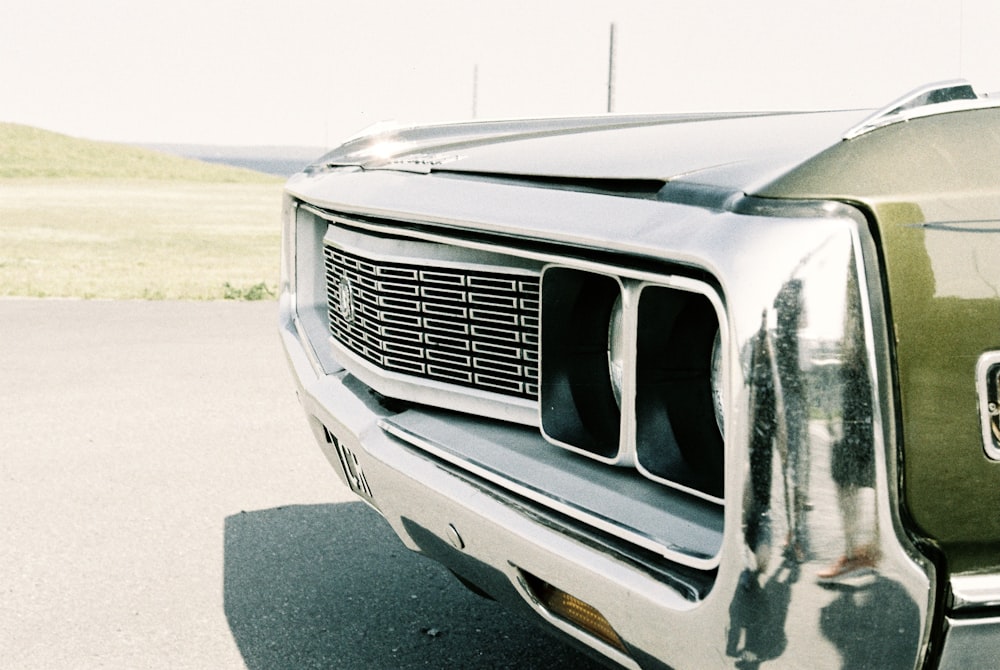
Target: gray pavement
pixel 163 505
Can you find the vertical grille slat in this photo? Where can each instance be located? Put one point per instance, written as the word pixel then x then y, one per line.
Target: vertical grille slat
pixel 467 326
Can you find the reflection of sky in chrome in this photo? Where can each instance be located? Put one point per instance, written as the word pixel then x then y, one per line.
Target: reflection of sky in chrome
pixel 386 149
pixel 822 271
pixel 824 281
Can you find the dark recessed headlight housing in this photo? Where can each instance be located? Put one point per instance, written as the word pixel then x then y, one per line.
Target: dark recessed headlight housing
pixel 579 406
pixel 633 374
pixel 678 437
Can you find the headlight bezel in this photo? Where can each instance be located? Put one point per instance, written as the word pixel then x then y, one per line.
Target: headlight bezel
pixel 578 410
pixel 627 431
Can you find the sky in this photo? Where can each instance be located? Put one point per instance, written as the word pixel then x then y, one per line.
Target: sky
pixel 312 72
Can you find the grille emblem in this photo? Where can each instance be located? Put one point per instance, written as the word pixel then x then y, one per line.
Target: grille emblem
pixel 345 296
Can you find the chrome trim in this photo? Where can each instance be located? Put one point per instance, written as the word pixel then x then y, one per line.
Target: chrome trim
pixel 307 297
pixel 624 453
pixel 918 103
pixel 700 288
pixel 970 643
pixel 976 592
pixel 530 258
pixel 289 297
pixel 612 527
pixel 345 231
pixel 631 284
pixel 988 393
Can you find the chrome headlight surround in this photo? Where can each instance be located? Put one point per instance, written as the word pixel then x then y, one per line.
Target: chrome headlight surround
pixel 579 408
pixel 678 440
pixel 627 373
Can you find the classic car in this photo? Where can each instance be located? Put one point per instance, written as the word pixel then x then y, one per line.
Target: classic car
pixel 692 390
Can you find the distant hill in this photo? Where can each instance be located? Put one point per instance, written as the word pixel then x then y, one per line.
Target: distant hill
pixel 283 161
pixel 32 152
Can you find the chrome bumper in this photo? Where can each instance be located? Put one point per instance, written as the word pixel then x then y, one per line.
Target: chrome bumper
pixel 769 590
pixel 781 613
pixel 971 631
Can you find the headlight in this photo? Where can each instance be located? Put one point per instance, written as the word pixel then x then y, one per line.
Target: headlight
pixel 580 394
pixel 717 397
pixel 616 349
pixel 677 404
pixel 631 374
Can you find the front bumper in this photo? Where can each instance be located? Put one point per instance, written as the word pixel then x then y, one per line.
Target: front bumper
pixel 756 593
pixel 496 541
pixel 483 537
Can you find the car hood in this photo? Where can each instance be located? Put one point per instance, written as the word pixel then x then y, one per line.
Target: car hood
pixel 731 151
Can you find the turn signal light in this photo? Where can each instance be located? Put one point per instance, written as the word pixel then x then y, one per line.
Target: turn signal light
pixel 574 610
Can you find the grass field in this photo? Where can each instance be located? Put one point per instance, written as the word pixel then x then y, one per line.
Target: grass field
pixel 90 219
pixel 144 239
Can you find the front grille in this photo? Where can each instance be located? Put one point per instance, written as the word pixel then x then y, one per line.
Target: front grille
pixel 458 325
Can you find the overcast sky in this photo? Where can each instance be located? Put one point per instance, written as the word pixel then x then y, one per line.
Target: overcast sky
pixel 310 72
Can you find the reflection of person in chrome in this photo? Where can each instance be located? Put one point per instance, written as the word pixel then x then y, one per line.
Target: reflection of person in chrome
pixel 793 411
pixel 757 519
pixel 779 408
pixel 852 460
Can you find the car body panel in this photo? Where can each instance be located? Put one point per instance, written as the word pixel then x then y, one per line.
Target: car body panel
pixel 601 148
pixel 932 186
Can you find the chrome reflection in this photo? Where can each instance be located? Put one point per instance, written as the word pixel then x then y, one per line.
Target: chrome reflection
pixel 815 501
pixel 988 390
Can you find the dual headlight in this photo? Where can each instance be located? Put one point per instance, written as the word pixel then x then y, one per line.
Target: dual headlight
pixel 632 374
pixel 617 344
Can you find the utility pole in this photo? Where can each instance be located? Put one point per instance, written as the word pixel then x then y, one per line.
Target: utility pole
pixel 475 91
pixel 611 71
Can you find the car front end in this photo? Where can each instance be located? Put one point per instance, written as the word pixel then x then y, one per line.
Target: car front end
pixel 642 379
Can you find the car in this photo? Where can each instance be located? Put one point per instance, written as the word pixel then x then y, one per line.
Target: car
pixel 690 390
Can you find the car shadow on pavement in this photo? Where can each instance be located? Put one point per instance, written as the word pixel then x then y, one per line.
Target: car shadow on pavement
pixel 330 586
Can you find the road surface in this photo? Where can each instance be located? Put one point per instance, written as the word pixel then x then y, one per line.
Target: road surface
pixel 163 505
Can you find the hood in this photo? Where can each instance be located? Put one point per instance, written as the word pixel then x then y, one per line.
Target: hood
pixel 724 150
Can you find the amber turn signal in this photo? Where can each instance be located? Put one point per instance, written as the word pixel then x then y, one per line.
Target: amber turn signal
pixel 574 610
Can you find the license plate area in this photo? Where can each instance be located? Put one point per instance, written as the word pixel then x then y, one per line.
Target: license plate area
pixel 353 473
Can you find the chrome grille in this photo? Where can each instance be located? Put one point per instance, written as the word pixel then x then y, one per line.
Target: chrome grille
pixel 458 325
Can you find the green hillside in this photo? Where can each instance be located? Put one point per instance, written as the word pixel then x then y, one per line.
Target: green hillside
pixel 82 219
pixel 27 152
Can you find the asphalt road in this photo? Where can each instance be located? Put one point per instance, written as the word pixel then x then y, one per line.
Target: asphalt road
pixel 163 505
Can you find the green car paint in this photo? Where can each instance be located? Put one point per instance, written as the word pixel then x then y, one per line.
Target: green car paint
pixel 931 188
